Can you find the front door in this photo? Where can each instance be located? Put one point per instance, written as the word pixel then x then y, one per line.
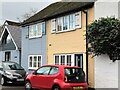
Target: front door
pixel 79 60
pixel 7 56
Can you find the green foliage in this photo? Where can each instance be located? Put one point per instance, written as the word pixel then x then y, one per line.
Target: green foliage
pixel 104 36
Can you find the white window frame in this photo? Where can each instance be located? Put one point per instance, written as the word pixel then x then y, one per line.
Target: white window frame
pixel 38 33
pixel 78 20
pixel 61 21
pixel 67 22
pixel 53 25
pixel 72 58
pixel 77 23
pixel 33 61
pixel 73 22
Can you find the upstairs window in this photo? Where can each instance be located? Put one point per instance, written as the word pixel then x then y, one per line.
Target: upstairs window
pixel 37 30
pixel 66 23
pixel 8 39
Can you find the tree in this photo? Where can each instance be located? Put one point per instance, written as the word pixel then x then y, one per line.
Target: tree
pixel 28 14
pixel 104 37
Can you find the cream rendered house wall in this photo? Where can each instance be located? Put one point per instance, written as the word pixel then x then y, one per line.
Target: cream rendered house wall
pixel 72 42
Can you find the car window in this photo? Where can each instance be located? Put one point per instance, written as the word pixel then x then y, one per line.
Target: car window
pixel 43 70
pixel 12 66
pixel 54 70
pixel 73 71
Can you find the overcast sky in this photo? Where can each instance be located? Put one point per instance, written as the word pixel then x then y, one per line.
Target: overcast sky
pixel 13 9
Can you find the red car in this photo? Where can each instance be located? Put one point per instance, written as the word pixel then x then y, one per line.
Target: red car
pixel 57 77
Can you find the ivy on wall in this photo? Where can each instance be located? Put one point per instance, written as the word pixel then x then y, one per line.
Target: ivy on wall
pixel 104 37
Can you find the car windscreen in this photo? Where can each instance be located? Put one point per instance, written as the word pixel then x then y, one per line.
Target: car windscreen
pixel 12 66
pixel 74 75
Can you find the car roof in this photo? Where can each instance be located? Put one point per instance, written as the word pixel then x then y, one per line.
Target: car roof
pixel 63 66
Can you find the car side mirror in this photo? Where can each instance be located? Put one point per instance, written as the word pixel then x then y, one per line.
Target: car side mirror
pixel 34 73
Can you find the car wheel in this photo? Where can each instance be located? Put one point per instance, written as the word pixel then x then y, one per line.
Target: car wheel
pixel 3 81
pixel 28 86
pixel 56 87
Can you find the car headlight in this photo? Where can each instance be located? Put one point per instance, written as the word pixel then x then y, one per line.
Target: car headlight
pixel 8 74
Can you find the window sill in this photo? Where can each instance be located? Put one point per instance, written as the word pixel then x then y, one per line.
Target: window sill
pixel 63 31
pixel 32 68
pixel 35 37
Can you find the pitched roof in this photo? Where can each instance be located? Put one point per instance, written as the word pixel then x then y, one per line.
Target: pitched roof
pixel 12 23
pixel 57 9
pixel 15 32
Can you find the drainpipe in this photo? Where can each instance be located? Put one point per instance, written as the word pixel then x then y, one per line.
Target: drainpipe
pixel 19 57
pixel 86 13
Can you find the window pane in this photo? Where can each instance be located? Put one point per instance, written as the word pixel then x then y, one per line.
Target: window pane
pixel 57 60
pixel 31 31
pixel 39 29
pixel 35 62
pixel 69 60
pixel 30 62
pixel 72 22
pixel 39 61
pixel 62 60
pixel 43 70
pixel 35 30
pixel 78 20
pixel 65 22
pixel 60 22
pixel 43 27
pixel 53 25
pixel 54 70
pixel 8 39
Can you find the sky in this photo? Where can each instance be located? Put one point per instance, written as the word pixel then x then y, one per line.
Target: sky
pixel 14 9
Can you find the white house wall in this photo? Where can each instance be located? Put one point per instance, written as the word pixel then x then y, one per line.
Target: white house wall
pixel 106 71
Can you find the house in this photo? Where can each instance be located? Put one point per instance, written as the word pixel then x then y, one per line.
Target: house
pixel 10 42
pixel 65 43
pixel 33 45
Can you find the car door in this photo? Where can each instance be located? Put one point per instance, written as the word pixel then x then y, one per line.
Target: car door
pixel 39 79
pixel 49 79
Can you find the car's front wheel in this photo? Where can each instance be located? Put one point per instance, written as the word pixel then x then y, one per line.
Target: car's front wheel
pixel 3 81
pixel 28 85
pixel 56 87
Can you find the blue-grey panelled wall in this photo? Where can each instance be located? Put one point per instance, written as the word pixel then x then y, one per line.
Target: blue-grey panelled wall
pixel 34 46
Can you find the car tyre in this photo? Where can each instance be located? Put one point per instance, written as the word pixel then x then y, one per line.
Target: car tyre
pixel 28 86
pixel 3 81
pixel 56 87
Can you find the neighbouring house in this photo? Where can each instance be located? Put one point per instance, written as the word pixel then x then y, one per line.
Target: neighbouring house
pixel 106 71
pixel 33 45
pixel 64 41
pixel 10 42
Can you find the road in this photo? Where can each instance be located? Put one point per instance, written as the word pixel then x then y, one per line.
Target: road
pixel 12 87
